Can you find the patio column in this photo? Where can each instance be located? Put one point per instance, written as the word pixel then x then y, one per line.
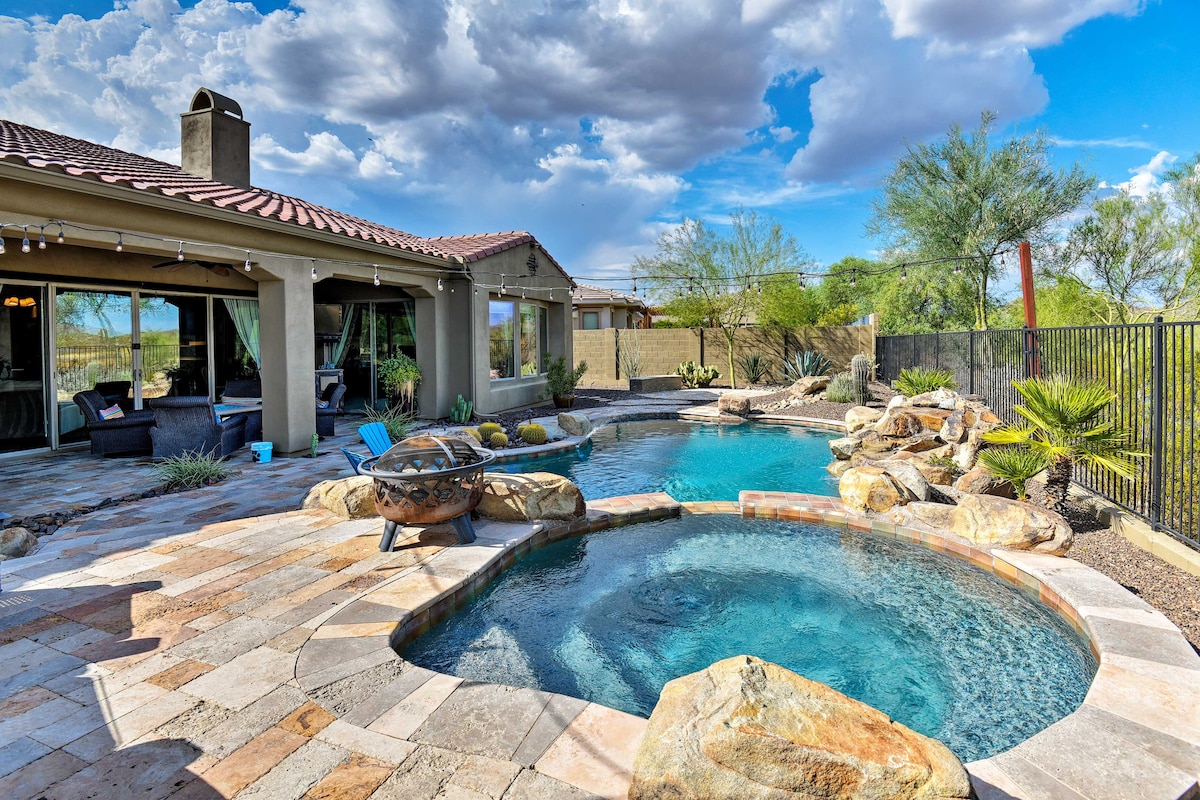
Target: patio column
pixel 287 345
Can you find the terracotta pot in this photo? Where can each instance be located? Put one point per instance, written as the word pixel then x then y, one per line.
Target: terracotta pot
pixel 564 400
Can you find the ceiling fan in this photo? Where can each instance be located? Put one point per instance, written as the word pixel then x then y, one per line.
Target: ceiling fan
pixel 176 265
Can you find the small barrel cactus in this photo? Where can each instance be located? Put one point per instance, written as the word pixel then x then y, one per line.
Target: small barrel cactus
pixel 498 439
pixel 474 433
pixel 860 371
pixel 488 428
pixel 533 434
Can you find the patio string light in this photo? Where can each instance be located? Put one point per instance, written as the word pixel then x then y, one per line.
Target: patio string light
pixel 731 283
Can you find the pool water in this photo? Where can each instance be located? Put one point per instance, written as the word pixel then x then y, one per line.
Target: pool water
pixel 693 461
pixel 938 644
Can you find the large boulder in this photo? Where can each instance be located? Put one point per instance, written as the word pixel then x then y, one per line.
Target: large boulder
pixel 900 424
pixel 908 476
pixel 939 398
pixel 870 488
pixel 809 385
pixel 954 428
pixel 993 522
pixel 16 542
pixel 348 498
pixel 837 468
pixel 860 417
pixel 531 496
pixel 574 424
pixel 751 730
pixel 965 453
pixel 936 474
pixel 979 481
pixel 734 403
pixel 843 448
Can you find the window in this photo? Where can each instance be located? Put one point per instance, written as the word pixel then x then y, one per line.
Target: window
pixel 591 320
pixel 501 339
pixel 517 330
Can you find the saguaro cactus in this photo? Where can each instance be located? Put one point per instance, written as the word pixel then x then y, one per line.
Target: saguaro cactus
pixel 860 371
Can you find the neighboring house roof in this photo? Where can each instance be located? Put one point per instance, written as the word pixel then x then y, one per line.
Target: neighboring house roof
pixel 587 295
pixel 53 152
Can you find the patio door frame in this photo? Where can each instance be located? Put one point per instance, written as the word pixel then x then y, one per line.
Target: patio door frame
pixel 49 409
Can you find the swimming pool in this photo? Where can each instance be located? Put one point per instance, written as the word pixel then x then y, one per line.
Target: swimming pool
pixel 693 461
pixel 941 646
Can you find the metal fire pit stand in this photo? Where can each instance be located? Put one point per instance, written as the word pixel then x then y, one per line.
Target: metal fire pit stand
pixel 428 480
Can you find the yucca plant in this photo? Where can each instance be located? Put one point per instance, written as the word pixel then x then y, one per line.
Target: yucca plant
pixel 396 419
pixel 1064 423
pixel 191 470
pixel 919 380
pixel 755 367
pixel 806 364
pixel 1013 464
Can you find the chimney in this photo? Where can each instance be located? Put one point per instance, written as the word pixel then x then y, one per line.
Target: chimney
pixel 216 140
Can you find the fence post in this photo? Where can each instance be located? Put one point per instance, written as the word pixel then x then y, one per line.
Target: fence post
pixel 971 361
pixel 937 350
pixel 1157 386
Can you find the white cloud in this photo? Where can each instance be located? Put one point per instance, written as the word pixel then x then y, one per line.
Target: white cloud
pixel 1119 141
pixel 581 119
pixel 1147 178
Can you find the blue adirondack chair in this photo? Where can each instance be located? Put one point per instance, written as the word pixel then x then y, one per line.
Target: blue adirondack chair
pixel 375 435
pixel 354 458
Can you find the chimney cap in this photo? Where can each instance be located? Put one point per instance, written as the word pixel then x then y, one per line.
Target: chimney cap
pixel 205 99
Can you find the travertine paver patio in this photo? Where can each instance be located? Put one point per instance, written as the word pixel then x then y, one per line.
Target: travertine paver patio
pixel 147 651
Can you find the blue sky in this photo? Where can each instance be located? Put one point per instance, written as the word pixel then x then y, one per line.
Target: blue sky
pixel 600 125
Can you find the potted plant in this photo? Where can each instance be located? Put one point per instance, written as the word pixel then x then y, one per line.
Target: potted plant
pixel 399 375
pixel 561 380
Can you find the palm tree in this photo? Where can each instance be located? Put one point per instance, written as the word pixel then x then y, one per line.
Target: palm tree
pixel 1063 423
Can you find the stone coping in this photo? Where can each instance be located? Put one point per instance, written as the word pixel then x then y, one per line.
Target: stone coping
pixel 1138 729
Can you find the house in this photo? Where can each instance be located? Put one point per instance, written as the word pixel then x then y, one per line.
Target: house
pixel 595 308
pixel 118 267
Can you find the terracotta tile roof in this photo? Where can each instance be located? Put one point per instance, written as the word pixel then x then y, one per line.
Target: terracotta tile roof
pixel 53 152
pixel 585 294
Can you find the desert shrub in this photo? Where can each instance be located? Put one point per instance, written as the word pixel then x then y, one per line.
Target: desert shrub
pixel 191 471
pixel 840 388
pixel 1013 464
pixel 919 380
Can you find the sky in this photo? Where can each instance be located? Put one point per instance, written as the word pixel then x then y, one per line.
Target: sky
pixel 599 124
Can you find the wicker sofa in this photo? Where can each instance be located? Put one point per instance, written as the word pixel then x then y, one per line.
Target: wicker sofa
pixel 189 425
pixel 128 434
pixel 332 396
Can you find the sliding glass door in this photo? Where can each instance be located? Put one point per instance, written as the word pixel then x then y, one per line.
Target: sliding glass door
pixel 22 373
pixel 94 349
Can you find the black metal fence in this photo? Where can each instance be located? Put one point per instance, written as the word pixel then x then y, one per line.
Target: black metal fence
pixel 1151 368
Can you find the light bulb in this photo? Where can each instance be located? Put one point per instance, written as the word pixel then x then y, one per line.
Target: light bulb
pixel 247 261
pixel 903 273
pixel 60 235
pixel 551 294
pixel 24 240
pixel 440 287
pixel 314 272
pixel 852 280
pixel 522 294
pixel 1 246
pixel 958 267
pixel 376 281
pixel 120 243
pixel 180 254
pixel 42 241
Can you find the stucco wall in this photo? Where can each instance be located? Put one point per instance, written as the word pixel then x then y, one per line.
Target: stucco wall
pixel 661 350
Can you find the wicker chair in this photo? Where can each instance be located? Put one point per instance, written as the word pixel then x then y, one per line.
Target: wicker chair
pixel 325 416
pixel 243 387
pixel 116 392
pixel 128 434
pixel 189 425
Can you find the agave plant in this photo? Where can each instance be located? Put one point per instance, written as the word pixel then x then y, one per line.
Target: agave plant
pixel 1064 423
pixel 806 364
pixel 755 367
pixel 1013 464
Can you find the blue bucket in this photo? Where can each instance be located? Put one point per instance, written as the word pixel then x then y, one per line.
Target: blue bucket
pixel 260 452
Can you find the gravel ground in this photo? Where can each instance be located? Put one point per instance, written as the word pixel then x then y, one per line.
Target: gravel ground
pixel 782 402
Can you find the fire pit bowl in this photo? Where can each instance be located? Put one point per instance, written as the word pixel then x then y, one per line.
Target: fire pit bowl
pixel 424 480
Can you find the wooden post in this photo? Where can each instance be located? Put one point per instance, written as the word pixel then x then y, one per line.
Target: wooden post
pixel 1033 362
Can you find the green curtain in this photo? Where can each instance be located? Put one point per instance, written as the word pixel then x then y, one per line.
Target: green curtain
pixel 339 351
pixel 244 314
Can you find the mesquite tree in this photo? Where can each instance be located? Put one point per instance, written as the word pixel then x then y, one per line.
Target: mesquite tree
pixel 962 196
